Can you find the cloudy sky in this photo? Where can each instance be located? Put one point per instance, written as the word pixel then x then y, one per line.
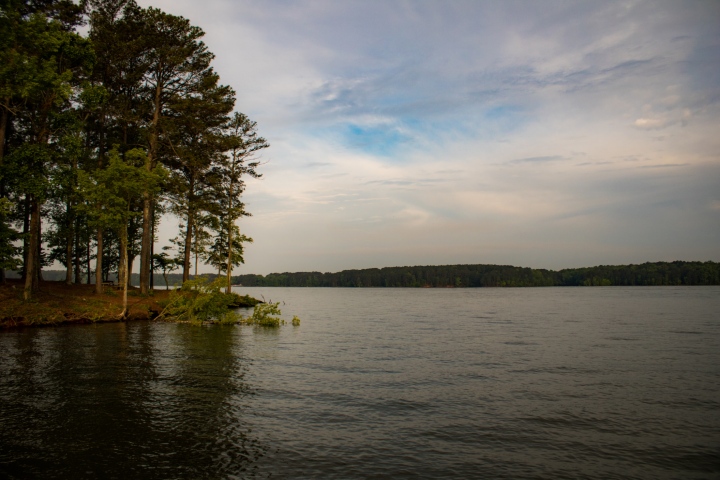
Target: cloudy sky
pixel 542 134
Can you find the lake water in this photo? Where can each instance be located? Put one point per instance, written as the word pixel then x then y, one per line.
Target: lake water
pixel 379 383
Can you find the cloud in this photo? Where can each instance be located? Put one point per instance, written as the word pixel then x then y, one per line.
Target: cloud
pixel 650 123
pixel 665 165
pixel 394 125
pixel 537 160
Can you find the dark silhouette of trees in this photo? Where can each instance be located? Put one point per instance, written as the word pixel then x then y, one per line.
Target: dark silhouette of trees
pixel 450 276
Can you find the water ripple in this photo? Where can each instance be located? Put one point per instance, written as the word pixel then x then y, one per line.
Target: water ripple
pixel 487 383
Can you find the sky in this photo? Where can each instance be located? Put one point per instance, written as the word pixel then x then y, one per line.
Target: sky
pixel 550 134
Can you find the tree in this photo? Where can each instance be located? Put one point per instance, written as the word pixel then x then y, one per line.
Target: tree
pixel 114 189
pixel 8 236
pixel 118 80
pixel 143 79
pixel 244 144
pixel 177 62
pixel 164 262
pixel 195 138
pixel 218 255
pixel 46 62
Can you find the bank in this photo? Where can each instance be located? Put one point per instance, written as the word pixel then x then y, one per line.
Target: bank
pixel 57 303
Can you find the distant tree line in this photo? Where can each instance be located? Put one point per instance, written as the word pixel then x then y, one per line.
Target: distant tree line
pixel 444 276
pixel 102 133
pixel 173 279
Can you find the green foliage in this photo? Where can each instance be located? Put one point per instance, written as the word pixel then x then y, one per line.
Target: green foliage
pixel 244 301
pixel 263 316
pixel 295 321
pixel 116 187
pixel 166 263
pixel 26 170
pixel 217 255
pixel 201 300
pixel 9 253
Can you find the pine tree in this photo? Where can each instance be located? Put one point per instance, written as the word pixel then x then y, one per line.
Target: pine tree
pixel 177 62
pixel 196 143
pixel 244 143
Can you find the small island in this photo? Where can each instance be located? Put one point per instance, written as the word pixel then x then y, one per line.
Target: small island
pixel 103 133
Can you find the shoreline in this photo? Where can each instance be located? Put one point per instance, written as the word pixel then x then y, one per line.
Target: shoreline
pixel 59 304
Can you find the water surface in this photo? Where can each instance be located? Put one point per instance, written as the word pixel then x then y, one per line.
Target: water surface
pixel 379 383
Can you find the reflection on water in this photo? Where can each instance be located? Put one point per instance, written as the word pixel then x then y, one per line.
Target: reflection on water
pixel 388 383
pixel 125 401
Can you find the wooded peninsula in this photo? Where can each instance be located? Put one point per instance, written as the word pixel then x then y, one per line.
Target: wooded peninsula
pixel 111 115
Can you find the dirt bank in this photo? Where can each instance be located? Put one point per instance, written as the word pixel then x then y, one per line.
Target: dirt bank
pixel 57 303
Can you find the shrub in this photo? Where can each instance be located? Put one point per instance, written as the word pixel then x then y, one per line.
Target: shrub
pixel 263 315
pixel 201 300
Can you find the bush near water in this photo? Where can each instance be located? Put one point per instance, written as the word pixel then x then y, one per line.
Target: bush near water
pixel 203 300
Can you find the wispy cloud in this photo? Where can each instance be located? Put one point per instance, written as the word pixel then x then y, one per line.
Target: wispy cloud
pixel 537 160
pixel 665 165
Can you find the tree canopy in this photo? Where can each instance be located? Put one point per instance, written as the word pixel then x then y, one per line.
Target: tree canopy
pixel 104 133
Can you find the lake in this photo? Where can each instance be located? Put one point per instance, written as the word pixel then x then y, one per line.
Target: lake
pixel 603 382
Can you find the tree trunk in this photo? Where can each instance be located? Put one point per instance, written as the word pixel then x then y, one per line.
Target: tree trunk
pixel 69 247
pixel 38 254
pixel 124 268
pixel 196 255
pixel 99 255
pixel 231 218
pixel 78 278
pixel 131 261
pixel 4 114
pixel 87 261
pixel 229 260
pixel 26 236
pixel 69 261
pixel 145 245
pixel 152 249
pixel 188 248
pixel 31 262
pixel 99 262
pixel 147 197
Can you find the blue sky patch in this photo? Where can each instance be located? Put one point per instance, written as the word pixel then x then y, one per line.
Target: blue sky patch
pixel 381 140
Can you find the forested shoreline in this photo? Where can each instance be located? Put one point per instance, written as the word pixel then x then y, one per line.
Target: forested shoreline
pixel 102 133
pixel 447 276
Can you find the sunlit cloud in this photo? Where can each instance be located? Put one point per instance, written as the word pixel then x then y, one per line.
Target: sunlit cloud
pixel 650 123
